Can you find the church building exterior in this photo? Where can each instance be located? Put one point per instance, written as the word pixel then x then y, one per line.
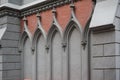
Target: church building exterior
pixel 59 39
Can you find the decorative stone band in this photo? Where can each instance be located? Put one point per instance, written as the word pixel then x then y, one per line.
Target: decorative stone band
pixel 103 28
pixel 43 6
pixel 9 11
pixel 32 9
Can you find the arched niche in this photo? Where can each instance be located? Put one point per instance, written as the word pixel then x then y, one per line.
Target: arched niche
pixel 26 56
pixel 72 39
pixel 54 41
pixel 39 42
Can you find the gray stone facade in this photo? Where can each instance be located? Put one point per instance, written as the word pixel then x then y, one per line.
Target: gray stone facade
pixel 105 56
pixel 9 56
pixel 99 59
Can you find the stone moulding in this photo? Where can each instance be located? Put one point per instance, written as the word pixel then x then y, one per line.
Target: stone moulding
pixel 43 6
pixel 103 28
pixel 9 11
pixel 13 11
pixel 39 31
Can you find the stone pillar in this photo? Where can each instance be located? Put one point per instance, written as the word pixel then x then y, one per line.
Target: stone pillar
pixel 9 57
pixel 105 53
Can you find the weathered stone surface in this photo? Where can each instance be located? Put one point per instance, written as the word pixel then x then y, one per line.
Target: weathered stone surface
pixel 13 28
pixel 104 62
pixel 9 43
pixel 11 36
pixel 10 51
pixel 97 50
pixel 109 49
pixel 97 75
pixel 104 37
pixel 110 74
pixel 11 58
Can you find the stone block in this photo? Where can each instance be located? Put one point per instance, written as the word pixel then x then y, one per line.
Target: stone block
pixel 3 20
pixel 13 20
pixel 102 38
pixel 116 37
pixel 97 50
pixel 11 58
pixel 117 61
pixel 109 49
pixel 9 43
pixel 4 73
pixel 8 66
pixel 13 27
pixel 104 62
pixel 10 51
pixel 9 20
pixel 11 36
pixel 97 75
pixel 18 65
pixel 110 74
pixel 1 66
pixel 1 58
pixel 1 75
pixel 13 73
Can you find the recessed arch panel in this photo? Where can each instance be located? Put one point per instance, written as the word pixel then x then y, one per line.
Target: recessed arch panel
pixel 56 56
pixel 74 55
pixel 38 46
pixel 41 58
pixel 72 38
pixel 26 55
pixel 27 64
pixel 54 41
pixel 70 25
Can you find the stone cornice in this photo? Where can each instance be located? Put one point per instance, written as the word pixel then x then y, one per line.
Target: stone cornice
pixel 9 11
pixel 43 6
pixel 12 11
pixel 103 28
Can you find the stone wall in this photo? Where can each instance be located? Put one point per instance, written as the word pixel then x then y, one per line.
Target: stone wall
pixel 105 55
pixel 9 56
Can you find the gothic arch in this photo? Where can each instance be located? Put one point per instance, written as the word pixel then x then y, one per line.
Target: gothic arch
pixel 38 43
pixel 54 40
pixel 72 43
pixel 37 33
pixel 51 31
pixel 70 25
pixel 23 37
pixel 25 47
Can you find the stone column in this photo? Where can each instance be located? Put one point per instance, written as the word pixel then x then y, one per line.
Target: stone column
pixel 9 57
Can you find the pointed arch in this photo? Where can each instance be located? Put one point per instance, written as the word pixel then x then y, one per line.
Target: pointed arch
pixel 26 55
pixel 38 46
pixel 51 32
pixel 37 33
pixel 72 42
pixel 24 35
pixel 54 40
pixel 72 24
